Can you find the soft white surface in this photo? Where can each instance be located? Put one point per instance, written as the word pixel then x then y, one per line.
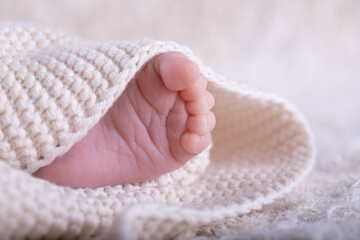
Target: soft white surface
pixel 306 51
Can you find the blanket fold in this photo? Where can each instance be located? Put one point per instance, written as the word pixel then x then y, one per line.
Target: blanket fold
pixel 54 88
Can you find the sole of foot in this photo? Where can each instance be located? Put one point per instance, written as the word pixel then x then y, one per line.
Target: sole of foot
pixel 161 120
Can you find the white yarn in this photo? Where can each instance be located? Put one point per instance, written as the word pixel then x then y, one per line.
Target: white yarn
pixel 53 89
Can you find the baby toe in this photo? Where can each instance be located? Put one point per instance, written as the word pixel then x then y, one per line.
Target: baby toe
pixel 194 143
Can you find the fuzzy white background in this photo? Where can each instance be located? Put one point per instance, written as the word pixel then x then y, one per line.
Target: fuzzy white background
pixel 306 51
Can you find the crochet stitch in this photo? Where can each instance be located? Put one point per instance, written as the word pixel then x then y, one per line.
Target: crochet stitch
pixel 54 88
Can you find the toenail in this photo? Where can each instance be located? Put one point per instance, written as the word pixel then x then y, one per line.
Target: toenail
pixel 203 82
pixel 210 100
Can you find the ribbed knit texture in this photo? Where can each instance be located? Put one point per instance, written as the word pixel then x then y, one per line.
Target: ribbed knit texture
pixel 53 89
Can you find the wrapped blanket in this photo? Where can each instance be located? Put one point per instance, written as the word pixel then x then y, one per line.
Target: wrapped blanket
pixel 54 88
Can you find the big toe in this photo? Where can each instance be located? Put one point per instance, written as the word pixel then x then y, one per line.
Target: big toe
pixel 177 71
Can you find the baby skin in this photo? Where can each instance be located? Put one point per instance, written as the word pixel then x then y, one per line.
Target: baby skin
pixel 159 122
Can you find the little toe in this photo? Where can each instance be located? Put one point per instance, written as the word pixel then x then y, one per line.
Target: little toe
pixel 176 70
pixel 194 143
pixel 201 124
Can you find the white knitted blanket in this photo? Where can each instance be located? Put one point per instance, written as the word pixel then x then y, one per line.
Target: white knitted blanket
pixel 54 88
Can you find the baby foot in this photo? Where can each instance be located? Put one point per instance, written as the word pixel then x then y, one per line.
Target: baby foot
pixel 160 121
